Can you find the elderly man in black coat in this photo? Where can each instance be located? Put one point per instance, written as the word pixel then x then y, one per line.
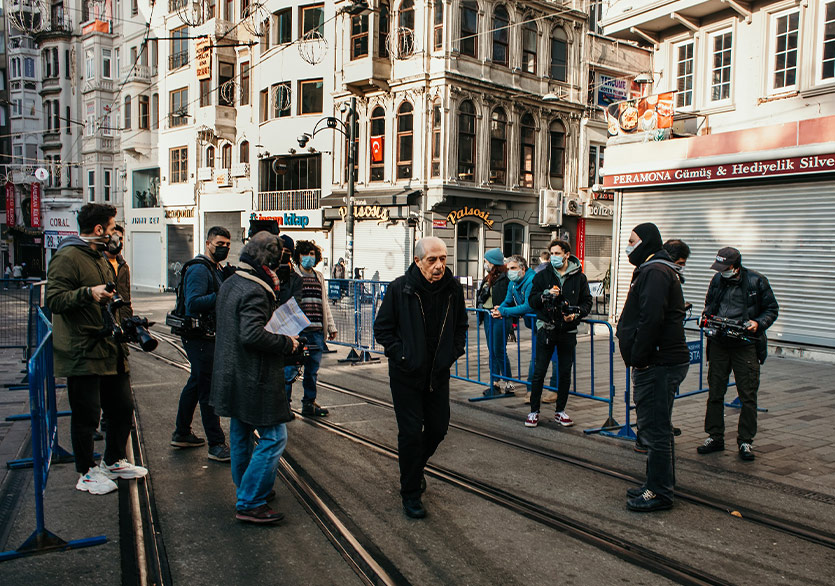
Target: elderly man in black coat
pixel 422 324
pixel 248 376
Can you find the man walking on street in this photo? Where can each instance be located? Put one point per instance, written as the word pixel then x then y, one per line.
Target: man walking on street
pixel 422 324
pixel 201 279
pixel 651 339
pixel 743 295
pixel 97 377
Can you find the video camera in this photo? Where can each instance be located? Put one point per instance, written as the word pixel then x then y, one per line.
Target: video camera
pixel 301 354
pixel 557 306
pixel 132 329
pixel 722 327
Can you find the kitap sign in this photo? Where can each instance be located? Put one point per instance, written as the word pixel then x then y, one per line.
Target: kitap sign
pixel 726 172
pixel 294 220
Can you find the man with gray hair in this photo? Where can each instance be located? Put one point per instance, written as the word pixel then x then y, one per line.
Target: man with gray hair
pixel 422 324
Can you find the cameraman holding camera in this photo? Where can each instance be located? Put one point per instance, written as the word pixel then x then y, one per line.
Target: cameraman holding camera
pixel 201 279
pixel 85 351
pixel 561 298
pixel 742 296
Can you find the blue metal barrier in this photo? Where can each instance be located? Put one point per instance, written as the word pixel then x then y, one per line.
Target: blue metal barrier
pixel 44 418
pixel 354 305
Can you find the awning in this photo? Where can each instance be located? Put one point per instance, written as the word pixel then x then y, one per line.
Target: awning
pixel 371 197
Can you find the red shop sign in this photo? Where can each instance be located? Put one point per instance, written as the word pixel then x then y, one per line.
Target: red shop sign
pixel 10 216
pixel 36 205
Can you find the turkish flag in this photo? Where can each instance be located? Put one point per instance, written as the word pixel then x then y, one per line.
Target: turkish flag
pixel 376 149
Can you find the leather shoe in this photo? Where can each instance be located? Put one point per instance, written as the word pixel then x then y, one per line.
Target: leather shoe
pixel 711 445
pixel 313 410
pixel 635 491
pixel 647 502
pixel 413 508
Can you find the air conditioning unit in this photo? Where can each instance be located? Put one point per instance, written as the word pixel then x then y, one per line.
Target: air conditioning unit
pixel 550 207
pixel 573 207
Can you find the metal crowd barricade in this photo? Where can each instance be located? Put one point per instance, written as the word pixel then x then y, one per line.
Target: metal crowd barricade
pixel 354 305
pixel 16 297
pixel 44 420
pixel 473 373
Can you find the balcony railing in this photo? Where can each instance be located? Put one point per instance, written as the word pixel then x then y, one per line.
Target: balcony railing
pixel 294 199
pixel 178 60
pixel 140 73
pixel 240 170
pixel 177 119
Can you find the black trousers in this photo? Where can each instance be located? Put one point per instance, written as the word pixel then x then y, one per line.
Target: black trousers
pixel 565 345
pixel 422 422
pixel 201 355
pixel 90 395
pixel 742 360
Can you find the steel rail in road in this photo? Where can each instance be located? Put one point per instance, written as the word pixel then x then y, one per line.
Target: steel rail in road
pixel 794 529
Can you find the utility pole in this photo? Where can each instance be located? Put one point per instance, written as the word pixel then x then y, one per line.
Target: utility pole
pixel 349 200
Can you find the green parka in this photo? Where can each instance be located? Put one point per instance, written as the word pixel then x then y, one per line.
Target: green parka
pixel 77 322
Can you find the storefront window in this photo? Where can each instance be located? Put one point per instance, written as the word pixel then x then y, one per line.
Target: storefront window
pixel 466 250
pixel 145 188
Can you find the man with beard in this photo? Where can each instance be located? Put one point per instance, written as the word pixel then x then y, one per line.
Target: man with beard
pixel 651 339
pixel 422 324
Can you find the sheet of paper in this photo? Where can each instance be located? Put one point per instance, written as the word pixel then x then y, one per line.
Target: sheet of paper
pixel 288 319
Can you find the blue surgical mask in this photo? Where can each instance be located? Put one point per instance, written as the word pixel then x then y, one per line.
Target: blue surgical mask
pixel 729 274
pixel 557 261
pixel 308 262
pixel 514 275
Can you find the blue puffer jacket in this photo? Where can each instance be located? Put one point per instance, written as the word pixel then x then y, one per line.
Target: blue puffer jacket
pixel 515 303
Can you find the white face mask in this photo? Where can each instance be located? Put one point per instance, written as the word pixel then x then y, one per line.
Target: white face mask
pixel 729 274
pixel 632 247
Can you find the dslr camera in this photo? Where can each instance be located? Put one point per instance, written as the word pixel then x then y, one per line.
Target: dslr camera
pixel 132 329
pixel 557 306
pixel 301 354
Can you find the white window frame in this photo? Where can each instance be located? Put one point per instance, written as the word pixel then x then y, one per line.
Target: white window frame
pixel 772 47
pixel 711 53
pixel 819 79
pixel 107 64
pixel 29 61
pixel 108 174
pixel 90 64
pixel 91 119
pixel 675 77
pixel 91 185
pixel 106 125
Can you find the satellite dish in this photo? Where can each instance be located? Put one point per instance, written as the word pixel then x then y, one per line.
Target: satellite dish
pixel 41 174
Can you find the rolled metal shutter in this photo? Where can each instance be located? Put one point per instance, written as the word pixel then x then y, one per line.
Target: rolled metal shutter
pixel 784 231
pixel 383 248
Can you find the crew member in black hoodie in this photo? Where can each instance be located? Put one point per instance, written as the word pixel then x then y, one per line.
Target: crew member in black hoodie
pixel 422 324
pixel 651 339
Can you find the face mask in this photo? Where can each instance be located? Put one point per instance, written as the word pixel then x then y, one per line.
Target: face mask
pixel 308 262
pixel 283 273
pixel 114 244
pixel 729 274
pixel 632 247
pixel 487 267
pixel 514 275
pixel 220 253
pixel 557 261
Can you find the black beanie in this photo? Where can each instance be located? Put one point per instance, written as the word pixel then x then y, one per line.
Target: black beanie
pixel 650 243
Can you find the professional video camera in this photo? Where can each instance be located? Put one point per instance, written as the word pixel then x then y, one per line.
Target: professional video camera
pixel 301 354
pixel 722 327
pixel 557 306
pixel 132 329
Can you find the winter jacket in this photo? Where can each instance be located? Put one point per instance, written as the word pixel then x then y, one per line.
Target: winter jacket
pixel 401 330
pixel 574 289
pixel 81 344
pixel 248 375
pixel 761 304
pixel 122 286
pixel 327 316
pixel 291 288
pixel 651 327
pixel 516 303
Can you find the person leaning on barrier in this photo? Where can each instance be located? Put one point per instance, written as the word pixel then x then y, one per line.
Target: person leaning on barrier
pixel 561 297
pixel 85 352
pixel 492 292
pixel 201 282
pixel 515 304
pixel 744 296
pixel 422 324
pixel 652 343
pixel 248 377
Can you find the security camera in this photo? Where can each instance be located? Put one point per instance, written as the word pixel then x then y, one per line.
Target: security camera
pixel 303 139
pixel 597 188
pixel 344 107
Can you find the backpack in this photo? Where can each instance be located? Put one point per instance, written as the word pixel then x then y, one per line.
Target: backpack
pixel 182 324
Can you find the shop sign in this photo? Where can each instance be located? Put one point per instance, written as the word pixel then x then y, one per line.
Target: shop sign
pixel 439 223
pixel 204 58
pixel 298 220
pixel 640 115
pixel 605 195
pixel 61 221
pixel 35 204
pixel 581 241
pixel 710 173
pixel 366 212
pixel 10 215
pixel 144 221
pixel 611 90
pixel 53 238
pixel 595 209
pixel 464 212
pixel 179 213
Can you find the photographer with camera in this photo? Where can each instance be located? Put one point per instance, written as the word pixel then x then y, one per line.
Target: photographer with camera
pixel 86 352
pixel 561 298
pixel 314 304
pixel 247 383
pixel 200 281
pixel 739 308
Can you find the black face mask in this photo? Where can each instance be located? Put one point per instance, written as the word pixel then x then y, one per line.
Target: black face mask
pixel 283 273
pixel 220 253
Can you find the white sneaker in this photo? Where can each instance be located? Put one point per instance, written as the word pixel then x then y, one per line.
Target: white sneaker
pixel 95 482
pixel 122 469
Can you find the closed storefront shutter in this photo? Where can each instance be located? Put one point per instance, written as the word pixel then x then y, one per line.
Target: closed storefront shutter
pixel 146 260
pixel 783 231
pixel 383 248
pixel 180 251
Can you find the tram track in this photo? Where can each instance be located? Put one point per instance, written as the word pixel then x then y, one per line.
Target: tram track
pixel 794 529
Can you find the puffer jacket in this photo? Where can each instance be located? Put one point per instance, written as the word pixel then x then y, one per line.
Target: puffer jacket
pixel 761 307
pixel 81 344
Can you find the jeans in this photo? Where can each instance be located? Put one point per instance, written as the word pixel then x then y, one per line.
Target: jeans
pixel 746 368
pixel 654 389
pixel 554 381
pixel 254 465
pixel 565 345
pixel 496 331
pixel 201 355
pixel 311 369
pixel 422 422
pixel 90 395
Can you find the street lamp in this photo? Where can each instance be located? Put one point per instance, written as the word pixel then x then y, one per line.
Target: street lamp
pixel 347 130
